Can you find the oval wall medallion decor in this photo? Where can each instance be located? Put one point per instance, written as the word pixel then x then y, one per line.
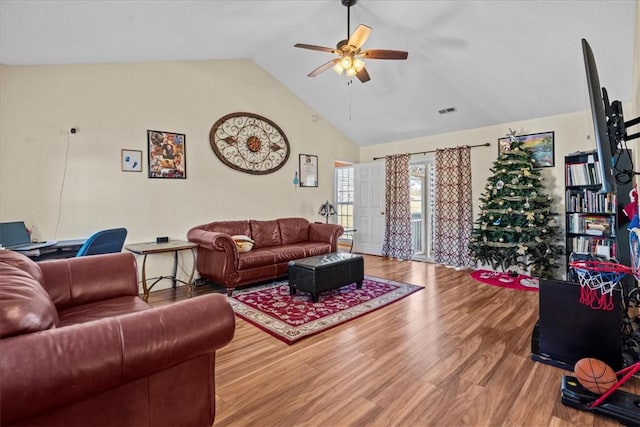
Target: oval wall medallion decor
pixel 249 143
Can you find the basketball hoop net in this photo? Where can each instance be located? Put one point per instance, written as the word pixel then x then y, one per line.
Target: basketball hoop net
pixel 597 280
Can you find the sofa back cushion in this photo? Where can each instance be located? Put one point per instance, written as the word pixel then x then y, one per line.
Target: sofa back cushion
pixel 25 306
pixel 265 233
pixel 293 230
pixel 230 227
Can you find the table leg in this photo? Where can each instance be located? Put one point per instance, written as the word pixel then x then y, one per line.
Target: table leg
pixel 144 278
pixel 175 268
pixel 193 270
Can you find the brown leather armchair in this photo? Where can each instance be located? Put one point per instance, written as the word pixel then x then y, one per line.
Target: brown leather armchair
pixel 79 347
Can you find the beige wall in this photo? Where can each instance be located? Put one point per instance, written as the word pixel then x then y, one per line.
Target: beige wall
pixel 113 105
pixel 572 132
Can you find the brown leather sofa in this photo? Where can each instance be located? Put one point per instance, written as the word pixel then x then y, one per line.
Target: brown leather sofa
pixel 277 242
pixel 78 347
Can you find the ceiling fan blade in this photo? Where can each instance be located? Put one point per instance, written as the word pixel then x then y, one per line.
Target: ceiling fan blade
pixel 323 67
pixel 363 75
pixel 384 54
pixel 359 36
pixel 314 47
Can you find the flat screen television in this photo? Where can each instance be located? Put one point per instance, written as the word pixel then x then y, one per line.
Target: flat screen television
pixel 605 145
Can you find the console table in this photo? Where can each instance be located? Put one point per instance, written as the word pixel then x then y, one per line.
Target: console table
pixel 174 246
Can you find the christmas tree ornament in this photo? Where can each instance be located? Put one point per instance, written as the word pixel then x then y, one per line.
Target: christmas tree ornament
pixel 533 194
pixel 512 194
pixel 497 221
pixel 519 229
pixel 527 205
pixel 501 202
pixel 501 240
pixel 509 210
pixel 499 184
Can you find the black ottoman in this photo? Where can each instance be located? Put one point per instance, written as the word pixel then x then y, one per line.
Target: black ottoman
pixel 325 272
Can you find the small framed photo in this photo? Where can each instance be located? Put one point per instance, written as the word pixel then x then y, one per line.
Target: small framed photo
pixel 167 154
pixel 540 145
pixel 131 160
pixel 308 170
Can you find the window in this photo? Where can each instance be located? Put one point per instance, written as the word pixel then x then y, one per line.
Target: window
pixel 344 197
pixel 422 191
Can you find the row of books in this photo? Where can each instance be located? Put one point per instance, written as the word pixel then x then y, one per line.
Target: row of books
pixel 589 224
pixel 589 201
pixel 596 247
pixel 582 174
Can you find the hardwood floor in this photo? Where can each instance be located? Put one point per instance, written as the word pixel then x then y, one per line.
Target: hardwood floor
pixel 455 353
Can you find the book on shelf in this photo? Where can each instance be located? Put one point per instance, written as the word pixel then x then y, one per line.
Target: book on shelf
pixel 584 173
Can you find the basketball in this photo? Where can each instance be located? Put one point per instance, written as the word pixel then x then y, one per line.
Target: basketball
pixel 594 375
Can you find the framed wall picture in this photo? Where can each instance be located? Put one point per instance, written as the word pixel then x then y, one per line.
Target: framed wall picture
pixel 308 170
pixel 167 155
pixel 540 145
pixel 131 160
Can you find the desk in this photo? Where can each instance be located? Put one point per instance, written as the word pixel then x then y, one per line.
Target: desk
pixel 61 249
pixel 174 246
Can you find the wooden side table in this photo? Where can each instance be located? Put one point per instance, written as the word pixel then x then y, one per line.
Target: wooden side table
pixel 174 246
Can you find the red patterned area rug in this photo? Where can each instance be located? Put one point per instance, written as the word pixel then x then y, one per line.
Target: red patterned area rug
pixel 291 318
pixel 505 280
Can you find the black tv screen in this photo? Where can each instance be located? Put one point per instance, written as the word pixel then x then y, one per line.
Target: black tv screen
pixel 605 146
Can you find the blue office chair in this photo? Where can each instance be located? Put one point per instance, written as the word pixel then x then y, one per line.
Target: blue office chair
pixel 104 242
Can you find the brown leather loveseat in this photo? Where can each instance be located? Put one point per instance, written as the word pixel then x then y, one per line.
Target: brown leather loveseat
pixel 78 347
pixel 276 242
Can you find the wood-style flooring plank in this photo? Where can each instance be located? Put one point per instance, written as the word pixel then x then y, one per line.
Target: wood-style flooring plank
pixel 454 353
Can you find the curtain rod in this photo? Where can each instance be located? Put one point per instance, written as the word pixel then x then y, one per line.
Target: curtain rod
pixel 486 144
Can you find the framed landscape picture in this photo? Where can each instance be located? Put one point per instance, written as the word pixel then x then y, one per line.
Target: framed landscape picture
pixel 167 155
pixel 540 145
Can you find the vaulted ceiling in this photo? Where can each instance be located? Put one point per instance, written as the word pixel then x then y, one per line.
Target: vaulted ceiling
pixel 494 61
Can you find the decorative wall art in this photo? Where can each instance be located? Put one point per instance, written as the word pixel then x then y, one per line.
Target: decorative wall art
pixel 131 160
pixel 249 143
pixel 167 155
pixel 540 145
pixel 308 170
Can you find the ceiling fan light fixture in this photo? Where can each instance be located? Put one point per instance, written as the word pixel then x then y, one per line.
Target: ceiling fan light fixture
pixel 346 62
pixel 358 64
pixel 338 68
pixel 351 72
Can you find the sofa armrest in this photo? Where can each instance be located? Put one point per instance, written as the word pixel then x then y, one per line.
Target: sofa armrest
pixel 218 256
pixel 79 361
pixel 82 280
pixel 328 233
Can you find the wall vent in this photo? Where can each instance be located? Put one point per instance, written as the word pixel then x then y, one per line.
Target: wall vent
pixel 447 110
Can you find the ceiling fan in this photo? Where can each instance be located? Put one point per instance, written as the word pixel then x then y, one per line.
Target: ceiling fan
pixel 350 55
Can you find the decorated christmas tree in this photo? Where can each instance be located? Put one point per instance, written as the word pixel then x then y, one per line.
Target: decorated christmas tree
pixel 516 229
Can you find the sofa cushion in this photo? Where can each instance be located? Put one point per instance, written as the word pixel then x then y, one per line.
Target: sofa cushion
pixel 265 233
pixel 101 309
pixel 24 304
pixel 293 230
pixel 229 227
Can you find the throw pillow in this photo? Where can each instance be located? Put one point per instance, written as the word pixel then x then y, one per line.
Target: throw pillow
pixel 244 243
